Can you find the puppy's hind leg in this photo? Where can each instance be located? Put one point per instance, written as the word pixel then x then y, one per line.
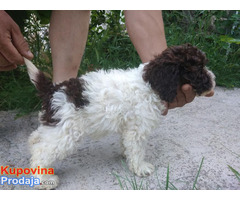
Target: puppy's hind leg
pixel 48 144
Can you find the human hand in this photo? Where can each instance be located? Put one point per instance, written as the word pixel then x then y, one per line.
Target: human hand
pixel 13 46
pixel 184 95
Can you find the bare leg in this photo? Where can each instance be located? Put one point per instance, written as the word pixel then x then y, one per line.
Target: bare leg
pixel 146 31
pixel 68 36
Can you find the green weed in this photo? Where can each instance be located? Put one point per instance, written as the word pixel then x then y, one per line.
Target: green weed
pixel 236 173
pixel 130 182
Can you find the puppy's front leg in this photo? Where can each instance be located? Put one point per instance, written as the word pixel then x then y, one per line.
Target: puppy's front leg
pixel 134 144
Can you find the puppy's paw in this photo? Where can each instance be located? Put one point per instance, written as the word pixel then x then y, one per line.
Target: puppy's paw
pixel 144 169
pixel 48 182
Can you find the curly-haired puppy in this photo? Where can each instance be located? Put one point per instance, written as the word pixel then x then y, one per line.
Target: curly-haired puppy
pixel 129 102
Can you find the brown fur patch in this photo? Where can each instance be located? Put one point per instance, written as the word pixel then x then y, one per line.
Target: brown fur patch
pixel 46 89
pixel 176 66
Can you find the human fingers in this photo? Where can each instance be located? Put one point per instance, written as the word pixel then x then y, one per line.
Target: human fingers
pixel 180 99
pixel 10 53
pixel 5 65
pixel 21 44
pixel 210 94
pixel 184 95
pixel 12 43
pixel 3 61
pixel 173 104
pixel 8 67
pixel 188 92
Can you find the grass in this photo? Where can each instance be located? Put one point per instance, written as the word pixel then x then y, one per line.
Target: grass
pixel 112 48
pixel 195 182
pixel 17 93
pixel 235 172
pixel 130 182
pixel 197 29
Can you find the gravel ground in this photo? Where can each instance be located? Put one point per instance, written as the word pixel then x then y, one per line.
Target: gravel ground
pixel 207 127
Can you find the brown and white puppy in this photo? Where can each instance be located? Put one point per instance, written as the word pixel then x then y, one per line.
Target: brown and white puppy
pixel 129 102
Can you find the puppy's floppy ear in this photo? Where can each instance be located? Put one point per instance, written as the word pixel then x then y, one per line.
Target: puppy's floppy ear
pixel 163 76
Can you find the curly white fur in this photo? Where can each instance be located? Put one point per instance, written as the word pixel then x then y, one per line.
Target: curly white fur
pixel 120 101
pixel 116 101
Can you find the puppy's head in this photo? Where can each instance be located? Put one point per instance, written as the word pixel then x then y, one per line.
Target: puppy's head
pixel 176 66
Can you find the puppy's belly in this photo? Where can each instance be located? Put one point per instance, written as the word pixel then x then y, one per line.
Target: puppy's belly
pixel 103 121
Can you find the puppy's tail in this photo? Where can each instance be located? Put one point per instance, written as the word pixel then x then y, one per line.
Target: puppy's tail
pixel 41 82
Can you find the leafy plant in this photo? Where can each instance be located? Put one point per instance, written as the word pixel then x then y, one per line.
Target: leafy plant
pixel 216 33
pixel 108 46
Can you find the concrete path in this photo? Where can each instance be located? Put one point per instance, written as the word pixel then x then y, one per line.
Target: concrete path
pixel 208 127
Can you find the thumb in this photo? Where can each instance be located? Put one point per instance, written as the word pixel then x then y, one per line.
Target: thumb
pixel 21 44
